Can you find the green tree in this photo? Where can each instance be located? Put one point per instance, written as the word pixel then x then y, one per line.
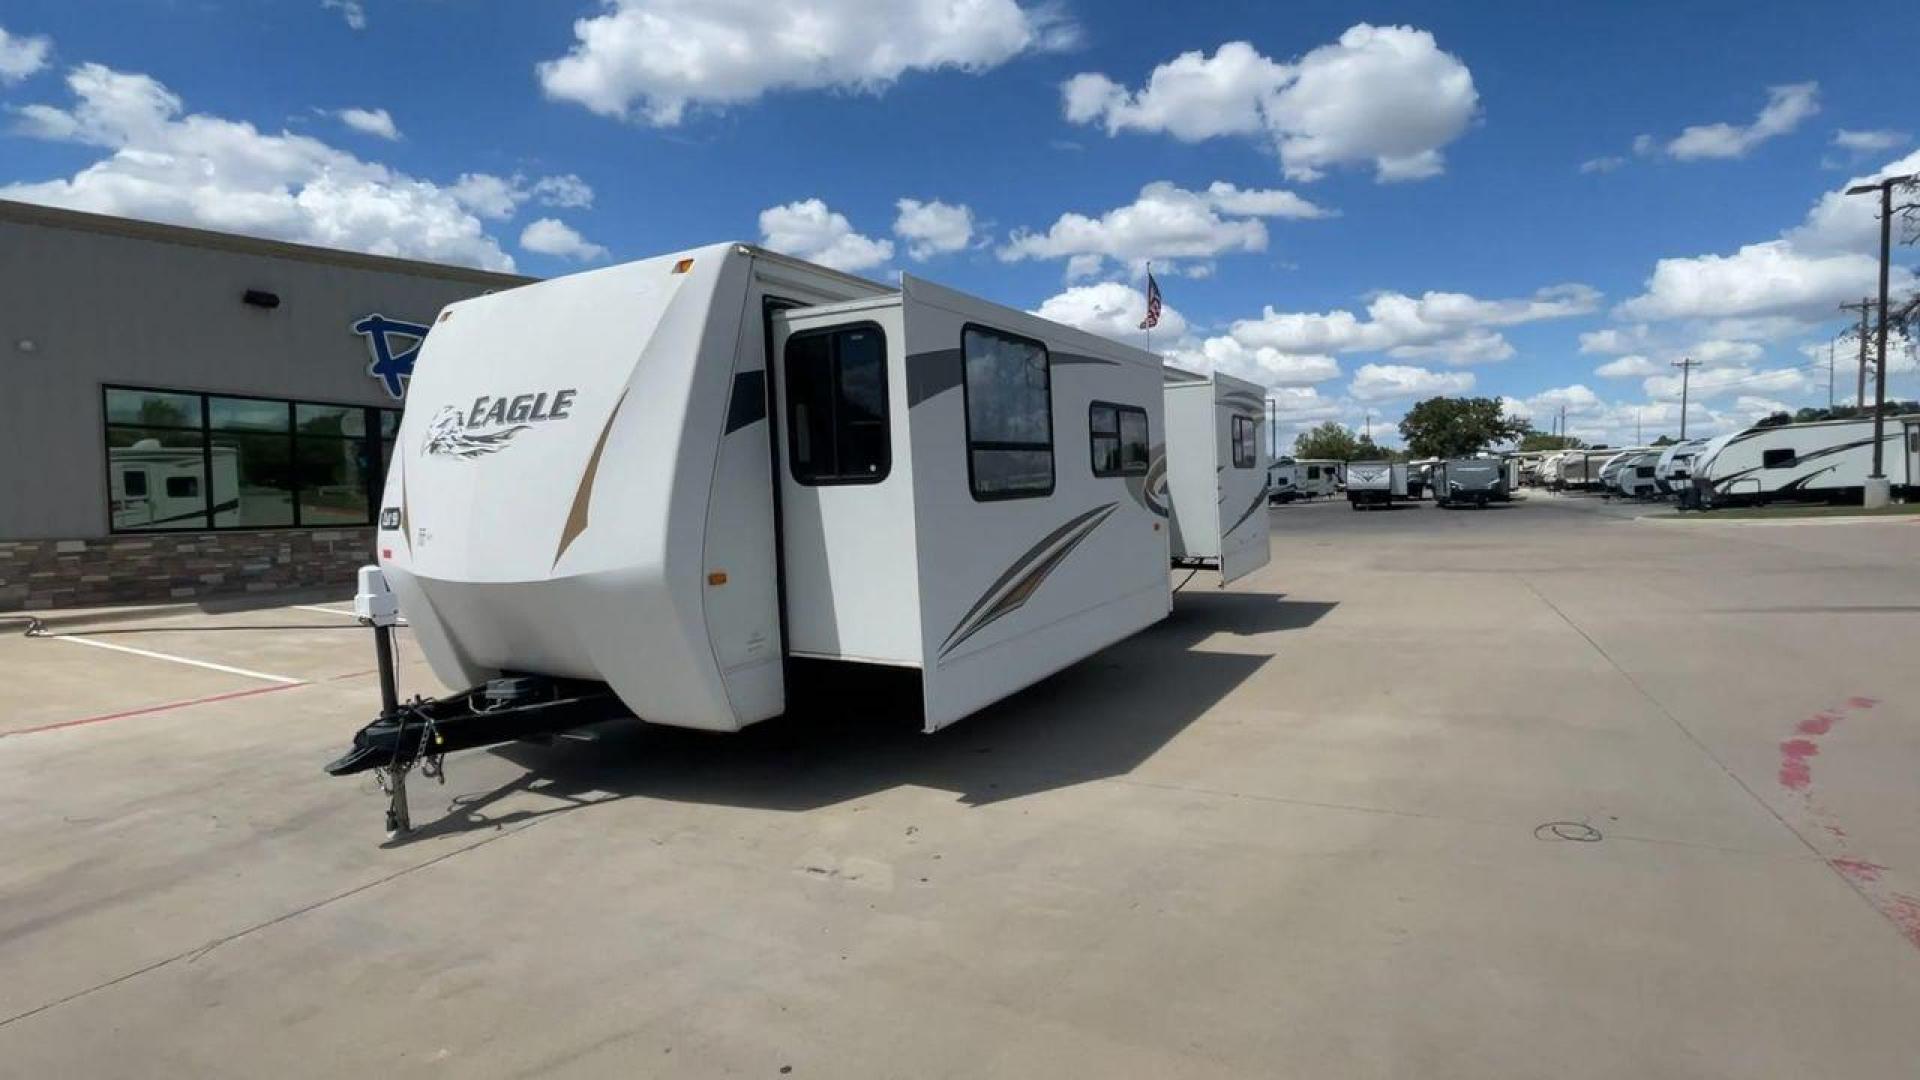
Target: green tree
pixel 1330 440
pixel 1540 440
pixel 1458 427
pixel 1665 440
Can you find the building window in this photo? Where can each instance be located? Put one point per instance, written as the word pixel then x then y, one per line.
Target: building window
pixel 210 461
pixel 1118 434
pixel 1009 398
pixel 1246 445
pixel 837 406
pixel 1781 458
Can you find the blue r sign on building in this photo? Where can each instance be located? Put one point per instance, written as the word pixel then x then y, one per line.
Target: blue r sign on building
pixel 392 361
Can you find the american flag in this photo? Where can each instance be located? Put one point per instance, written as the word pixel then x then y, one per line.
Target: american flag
pixel 1153 304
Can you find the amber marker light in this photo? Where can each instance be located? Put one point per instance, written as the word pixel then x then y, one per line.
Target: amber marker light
pixel 683 266
pixel 718 577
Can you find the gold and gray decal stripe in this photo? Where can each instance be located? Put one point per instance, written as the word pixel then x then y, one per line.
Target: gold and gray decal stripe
pixel 1259 500
pixel 1021 580
pixel 583 495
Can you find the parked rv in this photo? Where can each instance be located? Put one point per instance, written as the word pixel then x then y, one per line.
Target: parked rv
pixel 1469 481
pixel 1674 470
pixel 1283 481
pixel 1821 461
pixel 1375 483
pixel 1320 477
pixel 1420 477
pixel 682 489
pixel 1636 479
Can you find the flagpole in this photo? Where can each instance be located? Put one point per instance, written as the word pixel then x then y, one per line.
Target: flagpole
pixel 1149 319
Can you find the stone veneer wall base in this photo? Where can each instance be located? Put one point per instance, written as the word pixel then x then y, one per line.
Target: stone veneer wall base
pixel 159 567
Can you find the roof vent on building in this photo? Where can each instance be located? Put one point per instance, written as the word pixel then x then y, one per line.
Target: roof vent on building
pixel 260 298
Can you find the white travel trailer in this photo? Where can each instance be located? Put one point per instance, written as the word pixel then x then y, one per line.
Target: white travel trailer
pixel 1674 469
pixel 678 488
pixel 1216 473
pixel 1609 474
pixel 157 487
pixel 1375 483
pixel 1319 476
pixel 1821 461
pixel 1283 481
pixel 1637 478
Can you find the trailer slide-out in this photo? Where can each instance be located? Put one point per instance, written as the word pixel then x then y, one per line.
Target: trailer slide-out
pixel 685 488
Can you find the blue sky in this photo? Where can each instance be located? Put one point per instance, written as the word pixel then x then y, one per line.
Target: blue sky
pixel 1358 206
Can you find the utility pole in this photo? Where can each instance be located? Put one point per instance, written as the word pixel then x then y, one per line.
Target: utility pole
pixel 1638 440
pixel 1686 366
pixel 1860 387
pixel 1885 187
pixel 1829 376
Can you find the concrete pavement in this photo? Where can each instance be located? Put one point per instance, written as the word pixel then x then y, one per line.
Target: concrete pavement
pixel 1293 831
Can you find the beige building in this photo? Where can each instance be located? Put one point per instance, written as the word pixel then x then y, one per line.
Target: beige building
pixel 187 413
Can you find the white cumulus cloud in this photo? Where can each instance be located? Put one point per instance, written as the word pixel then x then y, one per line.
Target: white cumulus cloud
pixel 654 59
pixel 500 197
pixel 1113 310
pixel 22 56
pixel 551 236
pixel 1383 382
pixel 1802 274
pixel 375 122
pixel 1712 382
pixel 1165 222
pixel 1786 107
pixel 352 11
pixel 933 227
pixel 162 163
pixel 1450 327
pixel 1265 365
pixel 1869 142
pixel 807 229
pixel 1631 366
pixel 1385 96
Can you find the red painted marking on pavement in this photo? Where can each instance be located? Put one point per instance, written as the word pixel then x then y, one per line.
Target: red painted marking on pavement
pixel 1859 870
pixel 1818 724
pixel 1862 702
pixel 229 696
pixel 1795 773
pixel 353 675
pixel 1904 910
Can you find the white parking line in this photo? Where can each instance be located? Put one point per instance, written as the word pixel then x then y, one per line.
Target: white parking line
pixel 177 659
pixel 349 613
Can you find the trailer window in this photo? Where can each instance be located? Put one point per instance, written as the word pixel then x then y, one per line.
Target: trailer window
pixel 1118 434
pixel 837 406
pixel 1781 458
pixel 1009 397
pixel 133 484
pixel 1246 446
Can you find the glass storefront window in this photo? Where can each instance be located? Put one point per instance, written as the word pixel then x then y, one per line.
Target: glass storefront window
pixel 156 478
pixel 330 420
pixel 153 408
pixel 187 461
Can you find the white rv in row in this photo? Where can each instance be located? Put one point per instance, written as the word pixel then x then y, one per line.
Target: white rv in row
pixel 676 489
pixel 1821 461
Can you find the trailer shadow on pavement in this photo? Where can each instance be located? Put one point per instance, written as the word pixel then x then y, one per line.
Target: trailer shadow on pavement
pixel 1099 718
